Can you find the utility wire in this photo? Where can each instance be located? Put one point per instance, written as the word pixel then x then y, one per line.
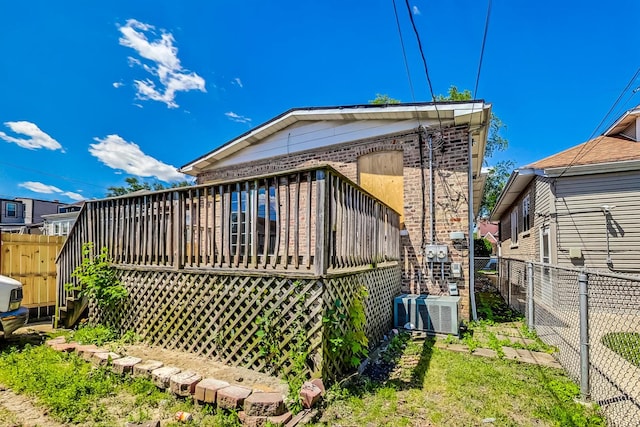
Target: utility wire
pixel 404 53
pixel 577 156
pixel 50 175
pixel 484 41
pixel 424 63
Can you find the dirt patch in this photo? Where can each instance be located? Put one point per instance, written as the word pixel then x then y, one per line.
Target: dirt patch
pixel 207 367
pixel 19 411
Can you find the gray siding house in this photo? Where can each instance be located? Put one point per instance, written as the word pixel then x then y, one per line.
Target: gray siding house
pixel 578 207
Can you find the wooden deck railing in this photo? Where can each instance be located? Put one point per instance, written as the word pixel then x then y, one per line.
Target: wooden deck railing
pixel 307 222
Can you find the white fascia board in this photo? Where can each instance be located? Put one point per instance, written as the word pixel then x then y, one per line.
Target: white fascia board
pixel 619 125
pixel 621 166
pixel 518 181
pixel 388 112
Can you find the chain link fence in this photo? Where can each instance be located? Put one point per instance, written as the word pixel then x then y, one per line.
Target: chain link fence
pixel 593 318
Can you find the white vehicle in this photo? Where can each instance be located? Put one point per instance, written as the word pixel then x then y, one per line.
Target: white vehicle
pixel 12 315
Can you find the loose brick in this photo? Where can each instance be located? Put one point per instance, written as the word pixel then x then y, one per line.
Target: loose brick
pixel 310 394
pixel 264 404
pixel 66 347
pixel 143 424
pixel 125 365
pixel 162 376
pixel 145 368
pixel 257 421
pixel 104 357
pixel 318 383
pixel 232 397
pixel 87 350
pixel 56 340
pixel 184 383
pixel 207 389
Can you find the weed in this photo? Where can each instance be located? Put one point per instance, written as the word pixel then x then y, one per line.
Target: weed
pixel 93 334
pixel 97 279
pixel 625 344
pixel 470 341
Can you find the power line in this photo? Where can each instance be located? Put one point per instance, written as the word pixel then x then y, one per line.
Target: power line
pixel 635 76
pixel 50 174
pixel 404 53
pixel 484 41
pixel 424 63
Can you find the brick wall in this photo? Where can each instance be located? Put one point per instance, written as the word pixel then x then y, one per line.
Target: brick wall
pixel 450 188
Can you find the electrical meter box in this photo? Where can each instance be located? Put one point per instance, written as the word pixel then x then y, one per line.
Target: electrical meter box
pixel 437 253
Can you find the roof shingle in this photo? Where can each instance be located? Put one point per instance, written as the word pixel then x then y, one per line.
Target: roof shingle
pixel 603 149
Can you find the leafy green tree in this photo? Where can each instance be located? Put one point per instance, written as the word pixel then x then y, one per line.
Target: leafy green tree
pixel 482 247
pixel 497 177
pixel 133 184
pixel 383 99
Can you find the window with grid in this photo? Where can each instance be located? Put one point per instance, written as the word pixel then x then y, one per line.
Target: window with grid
pixel 12 210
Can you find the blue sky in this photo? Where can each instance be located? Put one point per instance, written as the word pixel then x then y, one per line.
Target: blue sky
pixel 93 92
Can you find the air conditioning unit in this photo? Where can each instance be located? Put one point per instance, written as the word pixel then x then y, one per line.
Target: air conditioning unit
pixel 429 313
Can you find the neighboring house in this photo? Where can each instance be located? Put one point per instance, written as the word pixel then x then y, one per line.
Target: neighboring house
pixel 11 213
pixel 578 207
pixel 59 224
pixel 420 159
pixel 26 215
pixel 490 231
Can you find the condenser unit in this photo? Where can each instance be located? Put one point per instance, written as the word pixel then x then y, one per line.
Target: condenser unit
pixel 429 313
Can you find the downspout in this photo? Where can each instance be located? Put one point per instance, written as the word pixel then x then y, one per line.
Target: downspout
pixel 472 274
pixel 432 206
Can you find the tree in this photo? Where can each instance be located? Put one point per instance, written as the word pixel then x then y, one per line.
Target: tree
pixel 383 99
pixel 134 185
pixel 497 177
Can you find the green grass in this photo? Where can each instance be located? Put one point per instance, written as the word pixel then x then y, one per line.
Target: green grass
pixel 437 387
pixel 625 344
pixel 74 391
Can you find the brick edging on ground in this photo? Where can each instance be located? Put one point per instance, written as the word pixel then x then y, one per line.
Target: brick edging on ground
pixel 255 407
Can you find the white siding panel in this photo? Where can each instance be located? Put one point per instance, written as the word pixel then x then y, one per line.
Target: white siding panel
pixel 309 135
pixel 582 223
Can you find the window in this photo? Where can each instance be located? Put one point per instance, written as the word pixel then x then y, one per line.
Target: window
pixel 514 226
pixel 526 224
pixel 12 210
pixel 242 212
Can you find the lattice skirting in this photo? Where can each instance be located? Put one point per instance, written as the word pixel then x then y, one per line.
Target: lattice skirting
pixel 216 315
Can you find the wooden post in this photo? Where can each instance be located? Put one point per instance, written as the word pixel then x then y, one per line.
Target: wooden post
pixel 322 223
pixel 178 235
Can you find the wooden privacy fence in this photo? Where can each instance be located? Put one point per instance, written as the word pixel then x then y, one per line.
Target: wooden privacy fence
pixel 31 259
pixel 203 263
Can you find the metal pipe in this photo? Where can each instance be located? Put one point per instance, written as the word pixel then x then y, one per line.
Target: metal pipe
pixel 530 304
pixel 432 205
pixel 472 273
pixel 583 281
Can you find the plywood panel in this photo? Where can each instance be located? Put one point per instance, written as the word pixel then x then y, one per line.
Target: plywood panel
pixel 31 259
pixel 381 174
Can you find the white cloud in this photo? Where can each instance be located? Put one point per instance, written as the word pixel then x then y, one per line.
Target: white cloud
pixel 237 118
pixel 36 138
pixel 169 76
pixel 118 84
pixel 416 11
pixel 237 81
pixel 73 196
pixel 119 154
pixel 39 187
